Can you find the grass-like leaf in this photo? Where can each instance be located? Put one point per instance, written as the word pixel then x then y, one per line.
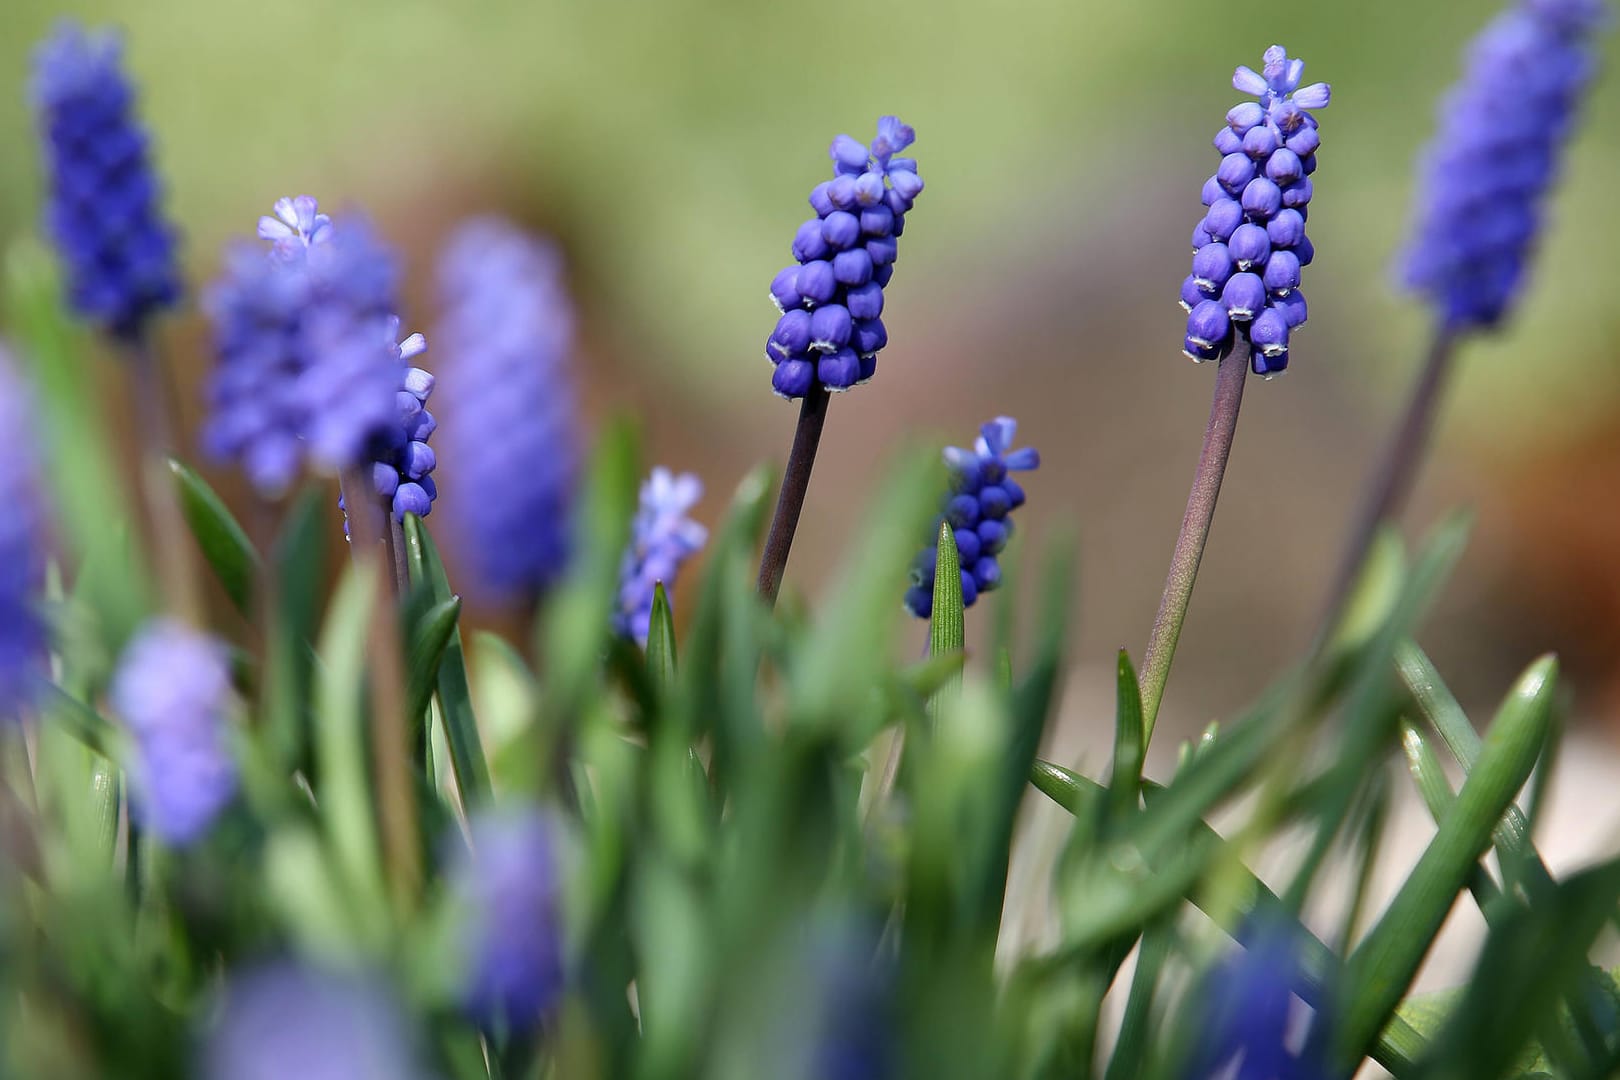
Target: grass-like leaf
pixel 221 539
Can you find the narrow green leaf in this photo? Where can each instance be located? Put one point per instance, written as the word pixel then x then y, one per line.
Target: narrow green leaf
pixel 455 696
pixel 345 787
pixel 661 644
pixel 1437 795
pixel 1382 967
pixel 1062 786
pixel 425 646
pixel 1513 843
pixel 1125 783
pixel 925 677
pixel 1528 963
pixel 224 544
pixel 947 625
pixel 1130 1056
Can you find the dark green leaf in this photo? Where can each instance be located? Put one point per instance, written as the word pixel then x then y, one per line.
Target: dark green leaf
pixel 428 638
pixel 455 696
pixel 1124 784
pixel 661 644
pixel 224 545
pixel 947 632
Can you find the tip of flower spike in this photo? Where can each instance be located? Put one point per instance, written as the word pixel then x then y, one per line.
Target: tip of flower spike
pixel 72 61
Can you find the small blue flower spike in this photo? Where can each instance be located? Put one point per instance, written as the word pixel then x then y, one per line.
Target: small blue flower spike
pixel 102 198
pixel 662 537
pixel 1486 176
pixel 978 506
pixel 172 689
pixel 831 303
pixel 1251 244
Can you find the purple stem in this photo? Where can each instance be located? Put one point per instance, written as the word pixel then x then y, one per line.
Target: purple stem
pixel 1397 472
pixel 1206 488
pixel 790 501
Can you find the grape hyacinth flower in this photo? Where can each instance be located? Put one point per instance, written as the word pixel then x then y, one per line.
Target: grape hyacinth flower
pixel 506 327
pixel 310 367
pixel 662 537
pixel 981 498
pixel 172 688
pixel 22 548
pixel 102 209
pixel 1251 245
pixel 1245 1005
pixel 288 1020
pixel 1501 138
pixel 508 894
pixel 831 301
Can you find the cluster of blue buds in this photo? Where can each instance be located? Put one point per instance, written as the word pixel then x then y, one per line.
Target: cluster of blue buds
pixel 310 365
pixel 102 200
pixel 1502 130
pixel 1249 248
pixel 508 893
pixel 982 495
pixel 172 689
pixel 506 330
pixel 662 537
pixel 831 302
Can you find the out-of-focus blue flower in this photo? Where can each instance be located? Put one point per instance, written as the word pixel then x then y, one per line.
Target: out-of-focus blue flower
pixel 853 988
pixel 508 894
pixel 1500 142
pixel 981 497
pixel 662 537
pixel 506 330
pixel 830 329
pixel 1251 245
pixel 291 1021
pixel 1242 1014
pixel 22 546
pixel 310 367
pixel 102 208
pixel 172 689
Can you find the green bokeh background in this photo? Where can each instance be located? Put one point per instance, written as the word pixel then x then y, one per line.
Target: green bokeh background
pixel 670 143
pixel 669 146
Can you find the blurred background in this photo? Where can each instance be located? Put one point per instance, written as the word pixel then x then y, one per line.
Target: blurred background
pixel 669 148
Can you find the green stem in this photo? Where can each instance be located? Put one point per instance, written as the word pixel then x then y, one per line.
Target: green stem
pixel 1397 471
pixel 1206 488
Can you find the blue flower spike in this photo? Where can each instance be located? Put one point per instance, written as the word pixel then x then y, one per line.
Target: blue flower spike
pixel 978 506
pixel 1251 243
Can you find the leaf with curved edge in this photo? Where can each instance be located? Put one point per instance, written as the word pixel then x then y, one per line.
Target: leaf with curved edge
pixel 467 758
pixel 221 539
pixel 661 643
pixel 425 646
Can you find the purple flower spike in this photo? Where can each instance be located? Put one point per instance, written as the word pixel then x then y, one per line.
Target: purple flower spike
pixel 506 329
pixel 1251 243
pixel 22 548
pixel 172 689
pixel 292 1021
pixel 102 208
pixel 1501 138
pixel 977 504
pixel 846 256
pixel 662 537
pixel 507 889
pixel 310 368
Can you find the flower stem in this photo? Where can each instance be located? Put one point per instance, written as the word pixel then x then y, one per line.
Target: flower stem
pixel 1398 470
pixel 154 411
pixel 390 727
pixel 1206 488
pixel 790 500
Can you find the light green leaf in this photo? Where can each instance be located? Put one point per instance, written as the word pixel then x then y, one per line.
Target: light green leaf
pixel 224 545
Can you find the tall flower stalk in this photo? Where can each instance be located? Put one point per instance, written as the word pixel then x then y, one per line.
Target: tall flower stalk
pixel 1483 187
pixel 831 303
pixel 1242 298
